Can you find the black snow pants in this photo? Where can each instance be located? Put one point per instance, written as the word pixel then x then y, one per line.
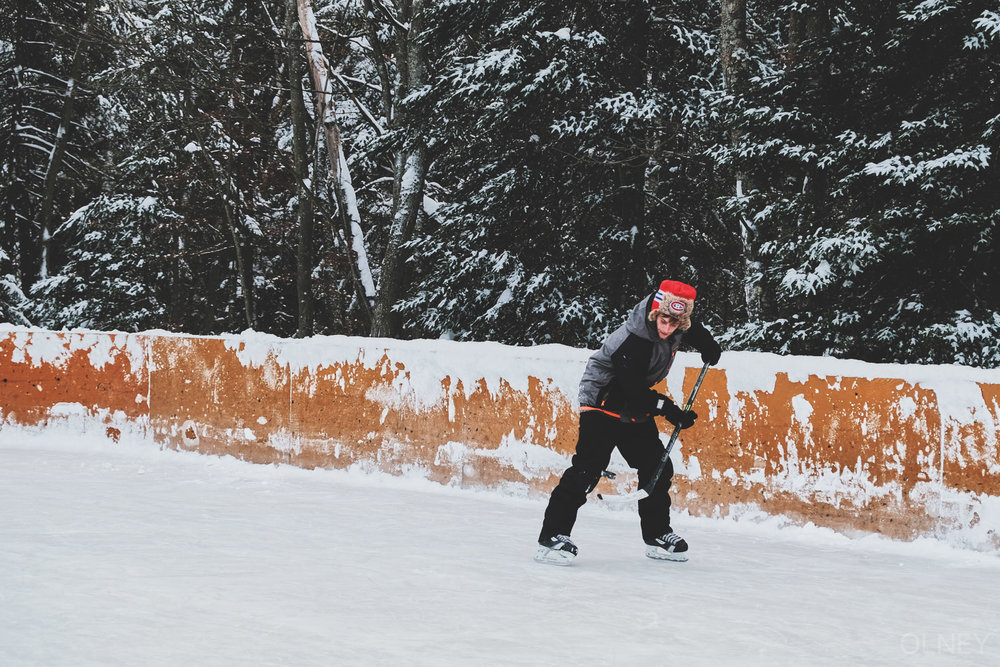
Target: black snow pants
pixel 639 444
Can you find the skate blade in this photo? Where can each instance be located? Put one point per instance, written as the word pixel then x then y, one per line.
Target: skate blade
pixel 553 556
pixel 656 553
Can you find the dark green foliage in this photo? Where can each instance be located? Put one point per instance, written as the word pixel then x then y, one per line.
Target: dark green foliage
pixel 843 201
pixel 873 157
pixel 123 267
pixel 40 42
pixel 559 163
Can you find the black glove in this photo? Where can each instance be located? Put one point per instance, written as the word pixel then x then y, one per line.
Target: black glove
pixel 651 402
pixel 711 353
pixel 676 416
pixel 700 339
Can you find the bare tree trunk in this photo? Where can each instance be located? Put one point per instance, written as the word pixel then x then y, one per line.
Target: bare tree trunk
pixel 341 179
pixel 17 227
pixel 381 62
pixel 734 56
pixel 244 269
pixel 45 210
pixel 631 198
pixel 386 322
pixel 411 172
pixel 242 249
pixel 802 27
pixel 733 43
pixel 300 153
pixel 807 29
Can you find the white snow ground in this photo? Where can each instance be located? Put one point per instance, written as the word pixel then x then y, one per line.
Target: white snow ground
pixel 129 555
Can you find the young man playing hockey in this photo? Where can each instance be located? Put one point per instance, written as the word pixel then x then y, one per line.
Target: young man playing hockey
pixel 617 407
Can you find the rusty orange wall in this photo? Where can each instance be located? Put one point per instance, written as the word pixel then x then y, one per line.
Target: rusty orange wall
pixel 900 450
pixel 46 376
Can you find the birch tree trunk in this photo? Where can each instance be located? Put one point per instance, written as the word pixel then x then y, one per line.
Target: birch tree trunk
pixel 340 174
pixel 411 171
pixel 54 168
pixel 300 155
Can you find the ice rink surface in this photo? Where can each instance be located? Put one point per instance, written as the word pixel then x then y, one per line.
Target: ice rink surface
pixel 129 555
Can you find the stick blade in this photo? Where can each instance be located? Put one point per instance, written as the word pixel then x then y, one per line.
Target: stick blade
pixel 626 497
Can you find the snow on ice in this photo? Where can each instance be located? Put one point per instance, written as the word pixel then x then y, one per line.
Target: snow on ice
pixel 125 554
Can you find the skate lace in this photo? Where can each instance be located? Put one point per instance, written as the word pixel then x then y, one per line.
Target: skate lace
pixel 564 539
pixel 672 538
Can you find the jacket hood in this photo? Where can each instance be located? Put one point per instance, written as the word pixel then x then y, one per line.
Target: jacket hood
pixel 638 322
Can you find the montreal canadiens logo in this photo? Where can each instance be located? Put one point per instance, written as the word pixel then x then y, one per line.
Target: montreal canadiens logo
pixel 677 306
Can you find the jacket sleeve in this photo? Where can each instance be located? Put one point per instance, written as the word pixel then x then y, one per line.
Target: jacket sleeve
pixel 702 340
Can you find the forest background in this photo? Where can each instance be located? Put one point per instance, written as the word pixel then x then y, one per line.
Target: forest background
pixel 825 173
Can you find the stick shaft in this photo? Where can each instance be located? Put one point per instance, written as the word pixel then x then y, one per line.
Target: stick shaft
pixel 645 491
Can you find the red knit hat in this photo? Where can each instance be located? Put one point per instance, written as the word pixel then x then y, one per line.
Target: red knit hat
pixel 675 299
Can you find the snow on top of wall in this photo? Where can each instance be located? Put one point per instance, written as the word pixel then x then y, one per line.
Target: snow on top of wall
pixel 39 346
pixel 425 363
pixel 750 371
pixel 956 387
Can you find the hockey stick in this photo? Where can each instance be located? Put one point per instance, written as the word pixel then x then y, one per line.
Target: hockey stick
pixel 648 489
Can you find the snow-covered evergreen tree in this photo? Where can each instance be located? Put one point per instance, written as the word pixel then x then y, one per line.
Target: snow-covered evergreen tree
pixel 824 173
pixel 873 150
pixel 12 300
pixel 50 127
pixel 193 98
pixel 555 151
pixel 120 272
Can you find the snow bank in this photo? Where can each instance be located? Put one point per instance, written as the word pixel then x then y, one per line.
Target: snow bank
pixel 905 451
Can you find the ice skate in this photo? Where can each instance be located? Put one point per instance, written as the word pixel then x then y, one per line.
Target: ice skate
pixel 558 550
pixel 669 546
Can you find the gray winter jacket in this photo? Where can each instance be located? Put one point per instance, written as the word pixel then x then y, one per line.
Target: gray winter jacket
pixel 632 359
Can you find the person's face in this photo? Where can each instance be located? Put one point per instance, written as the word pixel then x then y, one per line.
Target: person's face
pixel 665 325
